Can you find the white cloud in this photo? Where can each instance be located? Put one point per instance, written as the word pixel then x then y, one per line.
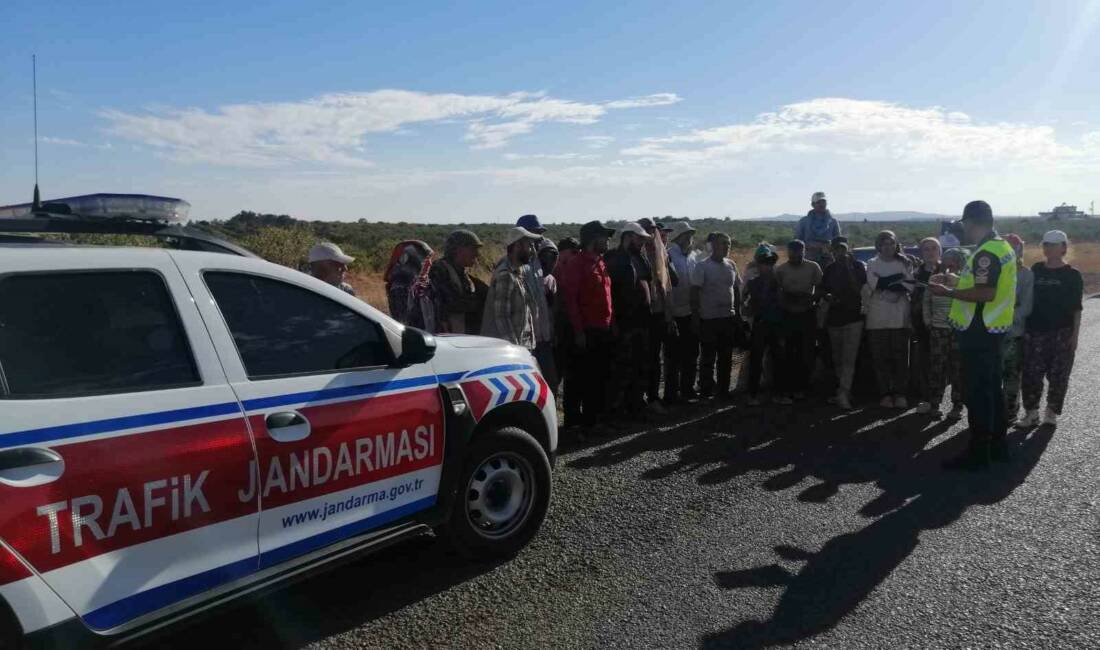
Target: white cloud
pixel 865 130
pixel 597 141
pixel 331 128
pixel 646 101
pixel 550 156
pixel 63 141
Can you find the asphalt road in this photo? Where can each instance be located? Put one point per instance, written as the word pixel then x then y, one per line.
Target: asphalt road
pixel 750 528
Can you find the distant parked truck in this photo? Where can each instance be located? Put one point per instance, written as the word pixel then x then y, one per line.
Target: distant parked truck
pixel 1064 212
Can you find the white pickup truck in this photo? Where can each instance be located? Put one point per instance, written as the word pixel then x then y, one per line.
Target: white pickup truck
pixel 180 428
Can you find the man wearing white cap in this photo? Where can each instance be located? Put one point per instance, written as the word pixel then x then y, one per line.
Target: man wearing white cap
pixel 329 264
pixel 510 307
pixel 817 229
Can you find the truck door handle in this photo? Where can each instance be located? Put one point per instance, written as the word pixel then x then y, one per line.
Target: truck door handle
pixel 287 426
pixel 27 457
pixel 30 466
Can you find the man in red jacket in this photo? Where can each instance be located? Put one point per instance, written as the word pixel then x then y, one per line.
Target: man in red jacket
pixel 588 303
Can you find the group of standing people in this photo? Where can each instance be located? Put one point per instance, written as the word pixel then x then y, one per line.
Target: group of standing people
pixel 626 322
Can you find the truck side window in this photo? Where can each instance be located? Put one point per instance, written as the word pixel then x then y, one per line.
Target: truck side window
pixel 67 334
pixel 282 329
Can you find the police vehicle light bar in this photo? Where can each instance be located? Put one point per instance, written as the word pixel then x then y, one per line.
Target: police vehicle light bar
pixel 142 207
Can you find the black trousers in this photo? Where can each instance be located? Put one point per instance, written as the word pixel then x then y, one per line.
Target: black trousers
pixel 660 351
pixel 980 352
pixel 798 348
pixel 766 337
pixel 716 337
pixel 682 364
pixel 591 368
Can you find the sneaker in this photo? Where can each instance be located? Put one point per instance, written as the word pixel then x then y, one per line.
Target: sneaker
pixel 1030 419
pixel 887 402
pixel 956 413
pixel 752 401
pixel 843 402
pixel 901 403
pixel 1050 418
pixel 924 408
pixel 783 399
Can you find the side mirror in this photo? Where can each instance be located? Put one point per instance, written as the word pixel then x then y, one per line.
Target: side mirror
pixel 417 346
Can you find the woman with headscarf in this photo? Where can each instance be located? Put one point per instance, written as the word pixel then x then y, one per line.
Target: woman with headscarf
pixel 409 261
pixel 886 300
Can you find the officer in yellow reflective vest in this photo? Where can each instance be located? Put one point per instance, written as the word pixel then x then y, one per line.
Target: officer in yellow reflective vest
pixel 981 313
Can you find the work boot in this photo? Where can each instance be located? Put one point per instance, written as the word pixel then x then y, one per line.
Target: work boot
pixel 975 458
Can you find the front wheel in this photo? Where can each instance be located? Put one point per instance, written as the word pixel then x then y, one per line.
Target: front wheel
pixel 504 495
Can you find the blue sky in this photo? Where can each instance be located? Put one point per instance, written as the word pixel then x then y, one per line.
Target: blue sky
pixel 481 111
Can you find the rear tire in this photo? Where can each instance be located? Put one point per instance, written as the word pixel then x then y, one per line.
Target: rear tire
pixel 504 493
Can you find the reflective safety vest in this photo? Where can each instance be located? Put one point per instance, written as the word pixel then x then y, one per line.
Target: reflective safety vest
pixel 996 314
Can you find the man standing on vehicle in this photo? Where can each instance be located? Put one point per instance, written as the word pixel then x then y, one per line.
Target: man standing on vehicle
pixel 329 264
pixel 588 304
pixel 509 308
pixel 981 313
pixel 535 278
pixel 458 297
pixel 817 230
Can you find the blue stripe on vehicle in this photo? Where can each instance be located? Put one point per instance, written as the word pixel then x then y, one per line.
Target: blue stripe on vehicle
pixel 336 393
pixel 108 425
pixel 495 369
pixel 504 391
pixel 65 431
pixel 530 384
pixel 150 600
pixel 153 599
pixel 301 547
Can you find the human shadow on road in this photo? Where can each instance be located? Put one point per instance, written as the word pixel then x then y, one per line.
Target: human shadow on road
pixel 916 497
pixel 330 603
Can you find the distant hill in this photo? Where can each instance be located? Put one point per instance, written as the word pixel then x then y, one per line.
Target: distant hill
pixel 901 215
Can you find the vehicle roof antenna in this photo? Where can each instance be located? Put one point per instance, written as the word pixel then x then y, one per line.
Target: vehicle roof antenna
pixel 36 204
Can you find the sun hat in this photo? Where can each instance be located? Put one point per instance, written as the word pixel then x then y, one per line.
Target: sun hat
pixel 1055 237
pixel 635 229
pixel 327 251
pixel 530 223
pixel 680 228
pixel 516 234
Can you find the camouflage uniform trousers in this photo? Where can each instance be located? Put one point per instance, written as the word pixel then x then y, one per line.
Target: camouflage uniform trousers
pixel 1012 366
pixel 944 366
pixel 1047 355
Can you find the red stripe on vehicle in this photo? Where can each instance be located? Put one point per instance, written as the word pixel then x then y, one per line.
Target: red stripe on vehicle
pixel 544 389
pixel 11 569
pixel 189 475
pixel 478 395
pixel 351 443
pixel 520 388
